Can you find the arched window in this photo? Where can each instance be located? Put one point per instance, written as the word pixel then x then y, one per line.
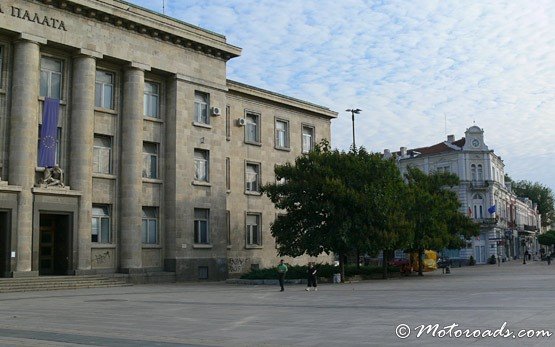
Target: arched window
pixel 480 173
pixel 473 171
pixel 478 206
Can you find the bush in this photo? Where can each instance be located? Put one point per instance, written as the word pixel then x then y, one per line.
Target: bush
pixel 492 259
pixel 324 270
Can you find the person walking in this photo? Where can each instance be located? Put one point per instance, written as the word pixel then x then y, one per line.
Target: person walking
pixel 282 270
pixel 311 277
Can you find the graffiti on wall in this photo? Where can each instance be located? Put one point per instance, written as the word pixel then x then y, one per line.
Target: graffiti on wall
pixel 237 264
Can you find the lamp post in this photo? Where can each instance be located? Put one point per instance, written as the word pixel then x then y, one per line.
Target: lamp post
pixel 353 111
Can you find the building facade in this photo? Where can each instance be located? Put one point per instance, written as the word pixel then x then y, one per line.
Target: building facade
pixel 159 158
pixel 508 224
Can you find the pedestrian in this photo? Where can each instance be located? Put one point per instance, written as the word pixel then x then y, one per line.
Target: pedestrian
pixel 311 277
pixel 548 258
pixel 282 270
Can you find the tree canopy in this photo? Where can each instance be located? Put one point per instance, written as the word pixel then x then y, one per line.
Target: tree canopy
pixel 340 202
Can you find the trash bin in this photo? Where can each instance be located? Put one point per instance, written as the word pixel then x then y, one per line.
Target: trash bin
pixel 336 278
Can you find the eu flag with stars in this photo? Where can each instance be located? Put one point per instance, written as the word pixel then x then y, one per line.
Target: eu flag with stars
pixel 48 132
pixel 492 209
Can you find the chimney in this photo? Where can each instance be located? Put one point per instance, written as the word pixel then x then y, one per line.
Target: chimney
pixel 386 153
pixel 403 151
pixel 450 138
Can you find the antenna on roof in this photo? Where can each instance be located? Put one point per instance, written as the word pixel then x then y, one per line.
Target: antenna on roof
pixel 163 6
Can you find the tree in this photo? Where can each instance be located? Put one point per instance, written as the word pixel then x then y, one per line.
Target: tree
pixel 547 239
pixel 334 201
pixel 432 211
pixel 540 194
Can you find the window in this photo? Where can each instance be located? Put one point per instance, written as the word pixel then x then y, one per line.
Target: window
pixel 202 226
pixel 228 122
pixel 51 78
pixel 282 134
pixel 478 206
pixel 58 146
pixel 228 173
pixel 203 272
pixel 1 65
pixel 228 226
pixel 253 229
pixel 201 165
pixel 443 169
pixel 102 154
pixel 151 99
pixel 308 139
pixel 100 224
pixel 104 90
pixel 252 177
pixel 150 160
pixel 150 225
pixel 252 128
pixel 473 172
pixel 201 108
pixel 480 173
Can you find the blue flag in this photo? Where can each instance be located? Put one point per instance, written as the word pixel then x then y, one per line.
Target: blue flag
pixel 49 132
pixel 492 209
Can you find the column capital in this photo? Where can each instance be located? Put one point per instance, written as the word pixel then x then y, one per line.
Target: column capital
pixel 138 66
pixel 32 38
pixel 83 52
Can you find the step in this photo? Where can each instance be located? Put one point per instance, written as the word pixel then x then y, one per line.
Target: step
pixel 59 282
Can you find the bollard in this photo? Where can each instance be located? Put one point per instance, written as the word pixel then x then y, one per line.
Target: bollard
pixel 447 269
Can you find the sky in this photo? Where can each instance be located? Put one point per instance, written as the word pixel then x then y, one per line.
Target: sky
pixel 418 69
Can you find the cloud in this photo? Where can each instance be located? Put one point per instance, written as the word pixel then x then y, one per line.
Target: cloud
pixel 415 67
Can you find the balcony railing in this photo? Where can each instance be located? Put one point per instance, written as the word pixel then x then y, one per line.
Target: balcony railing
pixel 481 185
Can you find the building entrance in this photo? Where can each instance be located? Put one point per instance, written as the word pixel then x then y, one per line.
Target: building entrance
pixel 5 254
pixel 54 245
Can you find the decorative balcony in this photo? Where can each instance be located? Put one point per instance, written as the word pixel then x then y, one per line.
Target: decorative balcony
pixel 479 185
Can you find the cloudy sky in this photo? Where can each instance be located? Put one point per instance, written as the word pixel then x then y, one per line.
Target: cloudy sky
pixel 419 69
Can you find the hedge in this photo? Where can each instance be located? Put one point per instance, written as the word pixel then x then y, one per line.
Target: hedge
pixel 324 270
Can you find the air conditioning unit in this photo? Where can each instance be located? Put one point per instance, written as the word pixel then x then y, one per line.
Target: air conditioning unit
pixel 216 111
pixel 241 122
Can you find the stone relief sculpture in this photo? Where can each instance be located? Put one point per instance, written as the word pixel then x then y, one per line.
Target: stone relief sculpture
pixel 52 177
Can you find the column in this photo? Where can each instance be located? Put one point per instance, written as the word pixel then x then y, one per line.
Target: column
pixel 81 145
pixel 131 169
pixel 23 140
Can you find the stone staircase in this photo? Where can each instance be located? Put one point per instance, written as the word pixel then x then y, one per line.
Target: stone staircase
pixel 27 284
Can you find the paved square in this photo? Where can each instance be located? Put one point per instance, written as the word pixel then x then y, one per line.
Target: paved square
pixel 357 314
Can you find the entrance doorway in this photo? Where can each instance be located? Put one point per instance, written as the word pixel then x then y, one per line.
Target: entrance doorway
pixel 5 247
pixel 54 245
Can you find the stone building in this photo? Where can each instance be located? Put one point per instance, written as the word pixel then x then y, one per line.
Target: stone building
pixel 161 157
pixel 508 224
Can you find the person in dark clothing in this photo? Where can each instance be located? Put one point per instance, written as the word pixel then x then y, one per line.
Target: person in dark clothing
pixel 282 270
pixel 311 276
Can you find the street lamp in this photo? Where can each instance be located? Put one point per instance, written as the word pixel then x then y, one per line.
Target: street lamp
pixel 353 111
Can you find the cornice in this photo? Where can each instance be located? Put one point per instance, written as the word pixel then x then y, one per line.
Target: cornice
pixel 148 23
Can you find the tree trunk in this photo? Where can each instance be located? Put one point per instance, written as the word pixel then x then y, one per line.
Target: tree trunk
pixel 385 259
pixel 420 264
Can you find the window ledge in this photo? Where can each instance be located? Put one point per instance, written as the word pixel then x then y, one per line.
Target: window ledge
pixel 253 193
pixel 104 176
pixel 62 102
pixel 152 180
pixel 202 125
pixel 153 119
pixel 201 184
pixel 202 246
pixel 151 246
pixel 254 247
pixel 105 110
pixel 285 149
pixel 259 144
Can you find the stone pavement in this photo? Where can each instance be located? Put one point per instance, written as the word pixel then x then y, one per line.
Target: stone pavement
pixel 356 314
